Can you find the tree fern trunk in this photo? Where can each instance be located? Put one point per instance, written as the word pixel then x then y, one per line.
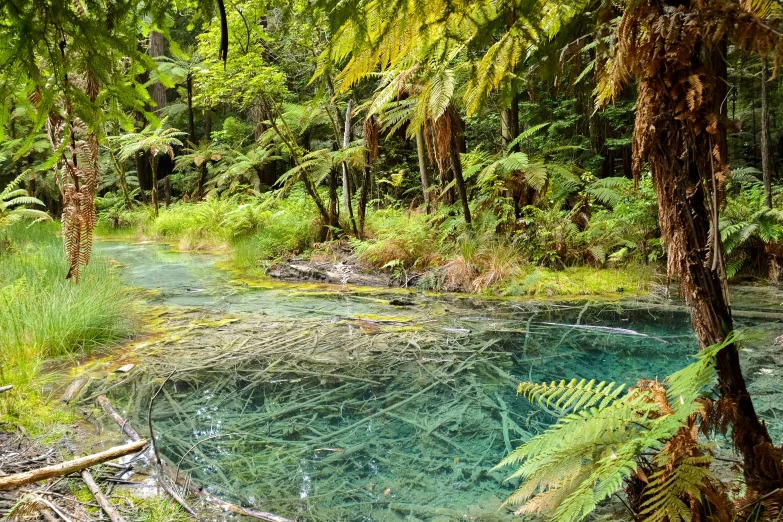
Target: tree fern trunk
pixel 686 153
pixel 766 150
pixel 456 168
pixel 202 179
pixel 364 194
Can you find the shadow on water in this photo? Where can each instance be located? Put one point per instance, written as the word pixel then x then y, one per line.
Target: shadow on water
pixel 327 403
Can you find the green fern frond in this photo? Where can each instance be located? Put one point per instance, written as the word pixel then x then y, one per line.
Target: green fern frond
pixel 574 395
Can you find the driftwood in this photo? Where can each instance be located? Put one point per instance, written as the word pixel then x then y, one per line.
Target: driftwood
pixel 106 506
pixel 70 466
pixel 126 428
pixel 74 389
pixel 227 506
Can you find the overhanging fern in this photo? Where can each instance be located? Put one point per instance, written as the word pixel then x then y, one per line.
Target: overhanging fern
pixel 599 445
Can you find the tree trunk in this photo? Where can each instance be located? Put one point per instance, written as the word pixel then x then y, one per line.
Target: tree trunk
pixel 426 183
pixel 346 178
pixel 157 90
pixel 202 179
pixel 456 168
pixel 333 221
pixel 364 194
pixel 766 146
pixel 509 123
pixel 685 161
pixel 191 120
pixel 208 125
pixel 154 160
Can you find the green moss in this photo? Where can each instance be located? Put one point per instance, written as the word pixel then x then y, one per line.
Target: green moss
pixel 578 281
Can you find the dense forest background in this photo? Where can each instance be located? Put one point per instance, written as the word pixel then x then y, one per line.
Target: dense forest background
pixel 290 142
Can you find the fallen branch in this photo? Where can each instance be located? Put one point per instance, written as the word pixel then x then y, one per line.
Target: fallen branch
pixel 134 435
pixel 106 506
pixel 128 429
pixel 64 468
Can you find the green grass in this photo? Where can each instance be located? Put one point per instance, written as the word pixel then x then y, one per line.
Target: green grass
pixel 254 230
pixel 258 231
pixel 44 316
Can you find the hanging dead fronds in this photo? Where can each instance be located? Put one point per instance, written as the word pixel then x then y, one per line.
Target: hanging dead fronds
pixel 371 131
pixel 446 128
pixel 676 52
pixel 76 173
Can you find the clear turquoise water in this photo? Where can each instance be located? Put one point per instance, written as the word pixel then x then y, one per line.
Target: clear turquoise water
pixel 400 431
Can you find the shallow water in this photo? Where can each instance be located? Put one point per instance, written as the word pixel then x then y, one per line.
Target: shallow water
pixel 331 403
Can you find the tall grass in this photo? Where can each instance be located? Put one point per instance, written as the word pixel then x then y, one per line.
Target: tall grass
pixel 44 316
pixel 254 229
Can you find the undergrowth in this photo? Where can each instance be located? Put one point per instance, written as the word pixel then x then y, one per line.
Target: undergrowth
pixel 550 255
pixel 44 316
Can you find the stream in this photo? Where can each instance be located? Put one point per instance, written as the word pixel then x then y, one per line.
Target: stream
pixel 325 402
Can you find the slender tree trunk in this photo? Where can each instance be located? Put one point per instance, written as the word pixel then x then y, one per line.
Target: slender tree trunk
pixel 191 120
pixel 456 168
pixel 364 194
pixel 154 164
pixel 208 125
pixel 333 220
pixel 426 182
pixel 202 179
pixel 766 145
pixel 346 177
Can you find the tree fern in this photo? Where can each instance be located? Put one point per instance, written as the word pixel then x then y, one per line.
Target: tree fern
pixel 590 453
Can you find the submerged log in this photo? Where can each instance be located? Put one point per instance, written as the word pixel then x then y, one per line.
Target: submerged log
pixel 74 389
pixel 70 466
pixel 226 506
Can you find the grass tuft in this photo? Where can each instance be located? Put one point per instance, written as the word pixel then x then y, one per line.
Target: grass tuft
pixel 44 316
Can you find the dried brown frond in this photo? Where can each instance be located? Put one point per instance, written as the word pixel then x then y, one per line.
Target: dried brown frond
pixel 77 176
pixel 371 131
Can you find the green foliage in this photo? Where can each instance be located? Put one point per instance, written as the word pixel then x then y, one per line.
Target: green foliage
pixel 14 202
pixel 397 239
pixel 746 224
pixel 42 315
pixel 601 439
